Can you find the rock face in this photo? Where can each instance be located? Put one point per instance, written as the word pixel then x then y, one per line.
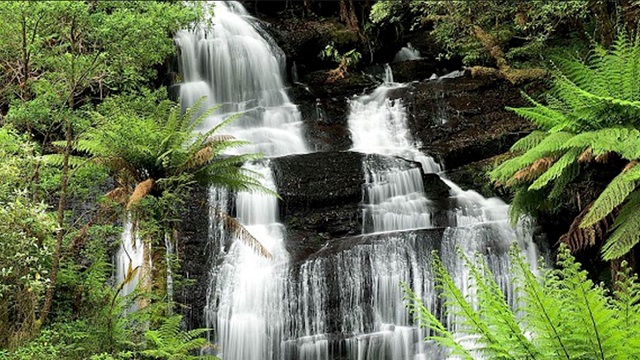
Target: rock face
pixel 325 107
pixel 458 120
pixel 195 254
pixel 463 120
pixel 321 197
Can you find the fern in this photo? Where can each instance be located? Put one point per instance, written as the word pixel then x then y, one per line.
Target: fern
pixel 613 195
pixel 170 341
pixel 555 171
pixel 559 315
pixel 625 232
pixel 592 112
pixel 529 142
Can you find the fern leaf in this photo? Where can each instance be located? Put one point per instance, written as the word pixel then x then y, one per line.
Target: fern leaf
pixel 427 320
pixel 550 146
pixel 613 195
pixel 626 229
pixel 530 141
pixel 557 169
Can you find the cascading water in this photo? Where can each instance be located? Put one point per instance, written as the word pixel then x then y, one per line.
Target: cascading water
pixel 407 53
pixel 238 67
pixel 130 259
pixel 342 305
pixel 477 225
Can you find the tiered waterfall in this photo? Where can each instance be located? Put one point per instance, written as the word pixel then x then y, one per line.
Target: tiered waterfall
pixel 347 304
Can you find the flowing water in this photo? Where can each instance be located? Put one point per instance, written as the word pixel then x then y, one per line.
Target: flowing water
pixel 407 53
pixel 237 66
pixel 342 305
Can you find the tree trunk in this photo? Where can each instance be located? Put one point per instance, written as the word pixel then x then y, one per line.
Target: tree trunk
pixel 62 204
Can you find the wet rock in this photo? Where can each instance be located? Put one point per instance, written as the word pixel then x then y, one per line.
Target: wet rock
pixel 335 246
pixel 463 120
pixel 195 256
pixel 324 106
pixel 321 195
pixel 302 40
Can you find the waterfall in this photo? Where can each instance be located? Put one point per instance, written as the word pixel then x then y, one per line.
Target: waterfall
pixel 237 66
pixel 346 304
pixel 130 259
pixel 476 225
pixel 407 53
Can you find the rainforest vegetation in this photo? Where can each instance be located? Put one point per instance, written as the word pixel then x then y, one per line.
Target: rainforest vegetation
pixel 89 134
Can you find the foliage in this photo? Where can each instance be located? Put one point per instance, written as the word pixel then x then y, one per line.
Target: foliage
pixel 592 112
pixel 151 149
pixel 521 28
pixel 170 341
pixel 26 232
pixel 345 60
pixel 559 315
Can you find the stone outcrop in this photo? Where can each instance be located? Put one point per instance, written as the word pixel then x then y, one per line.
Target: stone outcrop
pixel 195 255
pixel 321 195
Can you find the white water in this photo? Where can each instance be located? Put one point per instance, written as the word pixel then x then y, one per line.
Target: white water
pixel 393 199
pixel 237 66
pixel 348 303
pixel 407 53
pixel 129 259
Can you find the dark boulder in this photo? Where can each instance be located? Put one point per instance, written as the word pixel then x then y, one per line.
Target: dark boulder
pixel 324 106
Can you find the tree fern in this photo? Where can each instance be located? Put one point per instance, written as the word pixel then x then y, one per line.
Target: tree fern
pixel 170 341
pixel 555 171
pixel 592 111
pixel 559 314
pixel 613 195
pixel 625 233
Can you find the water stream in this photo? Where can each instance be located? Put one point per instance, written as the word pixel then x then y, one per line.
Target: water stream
pixel 345 305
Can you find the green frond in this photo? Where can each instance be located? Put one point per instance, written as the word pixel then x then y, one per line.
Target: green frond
pixel 613 195
pixel 427 320
pixel 550 145
pixel 566 177
pixel 530 141
pixel 557 169
pixel 497 313
pixel 627 300
pixel 542 116
pixel 622 140
pixel 625 233
pixel 468 320
pixel 57 160
pixel 542 313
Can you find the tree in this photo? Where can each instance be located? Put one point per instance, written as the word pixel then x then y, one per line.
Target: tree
pixel 495 33
pixel 26 231
pixel 559 315
pixel 72 53
pixel 153 150
pixel 591 113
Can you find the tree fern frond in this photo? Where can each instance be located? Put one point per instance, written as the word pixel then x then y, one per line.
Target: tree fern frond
pixel 427 320
pixel 542 311
pixel 551 145
pixel 530 141
pixel 242 233
pixel 626 229
pixel 469 320
pixel 541 115
pixel 624 141
pixel 579 238
pixel 560 185
pixel 496 312
pixel 613 195
pixel 557 169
